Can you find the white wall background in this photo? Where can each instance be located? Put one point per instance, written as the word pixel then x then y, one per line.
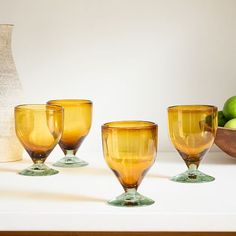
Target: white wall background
pixel 133 58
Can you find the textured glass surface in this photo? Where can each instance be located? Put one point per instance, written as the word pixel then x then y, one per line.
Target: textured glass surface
pixel 77 123
pixel 130 149
pixel 39 128
pixel 192 131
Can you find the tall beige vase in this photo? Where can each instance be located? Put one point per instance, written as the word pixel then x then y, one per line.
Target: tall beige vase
pixel 10 95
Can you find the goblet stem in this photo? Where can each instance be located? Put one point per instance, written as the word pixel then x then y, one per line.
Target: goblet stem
pixel 70 160
pixel 131 198
pixel 69 156
pixel 192 171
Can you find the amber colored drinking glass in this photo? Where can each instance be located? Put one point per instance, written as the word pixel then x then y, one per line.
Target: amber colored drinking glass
pixel 39 128
pixel 192 129
pixel 77 123
pixel 130 149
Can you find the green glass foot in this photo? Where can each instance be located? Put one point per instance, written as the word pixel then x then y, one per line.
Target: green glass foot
pixel 131 199
pixel 38 170
pixel 70 162
pixel 195 176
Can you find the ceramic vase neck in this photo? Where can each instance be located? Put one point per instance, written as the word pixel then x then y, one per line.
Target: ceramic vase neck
pixel 5 36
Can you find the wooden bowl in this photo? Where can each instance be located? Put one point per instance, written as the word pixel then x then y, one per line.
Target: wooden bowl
pixel 226 140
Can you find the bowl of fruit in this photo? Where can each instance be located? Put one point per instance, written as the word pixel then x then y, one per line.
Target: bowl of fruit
pixel 226 132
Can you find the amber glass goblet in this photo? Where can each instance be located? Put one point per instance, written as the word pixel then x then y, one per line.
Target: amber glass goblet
pixel 192 130
pixel 130 149
pixel 39 128
pixel 77 123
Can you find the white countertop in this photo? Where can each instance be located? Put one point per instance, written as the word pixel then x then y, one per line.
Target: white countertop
pixel 75 199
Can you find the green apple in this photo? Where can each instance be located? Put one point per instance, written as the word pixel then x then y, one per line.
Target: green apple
pixel 231 124
pixel 229 108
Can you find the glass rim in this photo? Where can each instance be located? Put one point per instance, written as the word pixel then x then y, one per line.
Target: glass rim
pixel 71 101
pixel 193 105
pixel 149 126
pixel 39 107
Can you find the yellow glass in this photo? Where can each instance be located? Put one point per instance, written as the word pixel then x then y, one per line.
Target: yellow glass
pixel 38 128
pixel 77 123
pixel 130 149
pixel 192 130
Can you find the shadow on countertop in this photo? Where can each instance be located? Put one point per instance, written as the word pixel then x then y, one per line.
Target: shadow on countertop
pixel 48 196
